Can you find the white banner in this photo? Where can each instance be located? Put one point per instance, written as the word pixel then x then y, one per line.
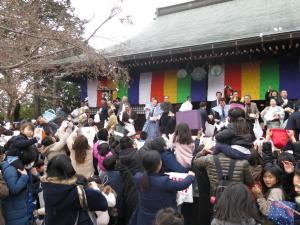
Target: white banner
pixel 145 88
pixel 92 92
pixel 215 83
pixel 184 195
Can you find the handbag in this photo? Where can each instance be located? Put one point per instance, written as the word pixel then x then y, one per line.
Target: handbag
pixel 257 130
pixel 282 212
pixel 279 138
pixel 84 205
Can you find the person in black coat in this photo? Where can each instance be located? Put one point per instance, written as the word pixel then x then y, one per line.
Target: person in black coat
pixel 237 131
pixel 271 94
pixel 296 183
pixel 167 108
pixel 64 201
pixel 104 110
pixel 285 103
pixel 22 142
pixel 283 100
pixel 293 122
pixel 203 114
pixel 129 156
pixel 121 180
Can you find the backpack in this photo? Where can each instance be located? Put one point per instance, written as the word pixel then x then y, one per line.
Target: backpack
pixel 223 180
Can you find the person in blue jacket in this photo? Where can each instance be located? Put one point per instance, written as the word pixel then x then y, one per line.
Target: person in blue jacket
pixel 156 191
pixel 64 203
pixel 18 207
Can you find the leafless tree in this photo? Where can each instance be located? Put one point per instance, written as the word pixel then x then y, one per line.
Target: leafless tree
pixel 35 33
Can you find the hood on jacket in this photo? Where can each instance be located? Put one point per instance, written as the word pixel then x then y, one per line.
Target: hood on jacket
pixel 12 161
pixel 59 193
pixel 4 165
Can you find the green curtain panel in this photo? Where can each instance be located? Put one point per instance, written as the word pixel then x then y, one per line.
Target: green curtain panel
pixel 123 89
pixel 183 88
pixel 269 76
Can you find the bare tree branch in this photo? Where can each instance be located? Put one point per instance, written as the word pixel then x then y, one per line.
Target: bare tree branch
pixel 113 13
pixel 30 59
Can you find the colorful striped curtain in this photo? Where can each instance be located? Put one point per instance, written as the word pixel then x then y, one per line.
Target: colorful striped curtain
pixel 252 78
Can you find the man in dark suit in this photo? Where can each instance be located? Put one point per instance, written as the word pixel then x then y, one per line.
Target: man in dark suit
pixel 216 102
pixel 285 103
pixel 293 122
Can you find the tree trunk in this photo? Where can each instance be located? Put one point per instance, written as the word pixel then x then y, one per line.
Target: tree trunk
pixel 37 101
pixel 54 100
pixel 10 108
pixel 17 111
pixel 5 117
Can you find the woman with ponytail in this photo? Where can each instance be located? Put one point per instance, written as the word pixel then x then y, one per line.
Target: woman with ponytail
pixel 156 191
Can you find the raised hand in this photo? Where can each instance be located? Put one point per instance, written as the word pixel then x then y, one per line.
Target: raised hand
pixel 288 167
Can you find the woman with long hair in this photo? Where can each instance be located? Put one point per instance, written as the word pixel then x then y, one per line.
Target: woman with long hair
pixel 236 207
pixel 67 202
pixel 81 155
pixel 271 190
pixel 183 145
pixel 156 191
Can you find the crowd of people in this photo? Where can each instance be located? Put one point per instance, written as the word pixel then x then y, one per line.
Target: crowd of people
pixel 241 167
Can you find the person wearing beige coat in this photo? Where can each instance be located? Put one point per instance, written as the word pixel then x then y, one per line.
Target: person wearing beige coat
pixel 83 162
pixel 56 148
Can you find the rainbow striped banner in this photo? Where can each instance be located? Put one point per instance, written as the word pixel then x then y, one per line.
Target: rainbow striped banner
pixel 255 78
pixel 252 78
pixel 142 87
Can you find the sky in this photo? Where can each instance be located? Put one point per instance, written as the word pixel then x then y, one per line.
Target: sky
pixel 142 12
